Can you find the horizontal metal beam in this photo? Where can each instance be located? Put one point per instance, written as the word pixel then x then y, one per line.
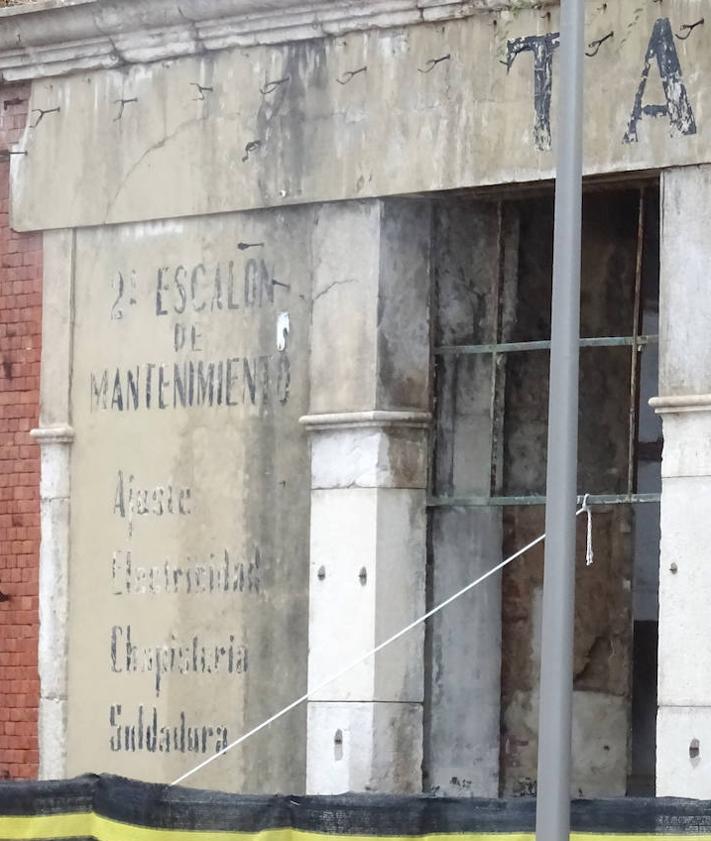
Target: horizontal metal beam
pixel 516 347
pixel 470 501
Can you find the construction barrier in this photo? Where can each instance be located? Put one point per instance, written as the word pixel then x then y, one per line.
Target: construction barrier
pixel 108 808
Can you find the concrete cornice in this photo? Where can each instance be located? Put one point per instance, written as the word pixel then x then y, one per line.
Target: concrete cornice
pixel 56 37
pixel 681 403
pixel 375 419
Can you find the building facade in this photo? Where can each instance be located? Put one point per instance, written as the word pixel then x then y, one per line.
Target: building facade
pixel 295 311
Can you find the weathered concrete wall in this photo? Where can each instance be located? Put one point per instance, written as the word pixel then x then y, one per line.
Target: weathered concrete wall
pixel 287 123
pixel 189 507
pixel 389 110
pixel 684 718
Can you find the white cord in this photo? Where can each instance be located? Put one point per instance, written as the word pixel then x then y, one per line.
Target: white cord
pixel 368 655
pixel 589 543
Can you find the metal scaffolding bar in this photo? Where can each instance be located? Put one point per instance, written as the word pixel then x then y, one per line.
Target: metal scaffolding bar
pixel 474 501
pixel 544 344
pixel 497 362
pixel 634 359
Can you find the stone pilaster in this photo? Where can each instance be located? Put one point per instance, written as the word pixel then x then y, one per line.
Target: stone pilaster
pixel 55 436
pixel 684 716
pixel 476 257
pixel 369 420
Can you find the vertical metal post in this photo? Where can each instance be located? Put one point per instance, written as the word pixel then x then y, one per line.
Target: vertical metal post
pixel 556 688
pixel 633 428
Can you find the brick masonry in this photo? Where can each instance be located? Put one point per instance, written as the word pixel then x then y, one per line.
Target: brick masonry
pixel 20 338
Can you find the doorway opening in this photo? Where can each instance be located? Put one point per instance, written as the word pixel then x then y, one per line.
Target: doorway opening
pixel 491 311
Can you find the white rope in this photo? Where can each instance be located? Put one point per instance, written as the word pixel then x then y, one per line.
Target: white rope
pixel 367 655
pixel 588 544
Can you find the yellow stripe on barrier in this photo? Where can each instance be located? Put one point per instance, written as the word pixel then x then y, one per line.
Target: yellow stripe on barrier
pixel 46 826
pixel 109 830
pixel 91 825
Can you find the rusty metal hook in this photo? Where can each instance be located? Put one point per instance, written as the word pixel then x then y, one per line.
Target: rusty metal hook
pixel 431 63
pixel 201 91
pixel 689 27
pixel 42 112
pixel 270 87
pixel 252 146
pixel 349 74
pixel 597 43
pixel 6 154
pixel 122 103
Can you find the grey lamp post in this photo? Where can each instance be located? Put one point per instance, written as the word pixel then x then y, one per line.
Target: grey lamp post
pixel 556 687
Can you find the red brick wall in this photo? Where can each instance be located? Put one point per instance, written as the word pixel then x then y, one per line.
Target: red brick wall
pixel 20 338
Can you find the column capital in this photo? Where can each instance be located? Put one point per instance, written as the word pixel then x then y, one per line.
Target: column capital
pixel 681 403
pixel 56 434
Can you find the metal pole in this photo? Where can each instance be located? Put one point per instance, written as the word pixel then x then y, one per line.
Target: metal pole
pixel 556 688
